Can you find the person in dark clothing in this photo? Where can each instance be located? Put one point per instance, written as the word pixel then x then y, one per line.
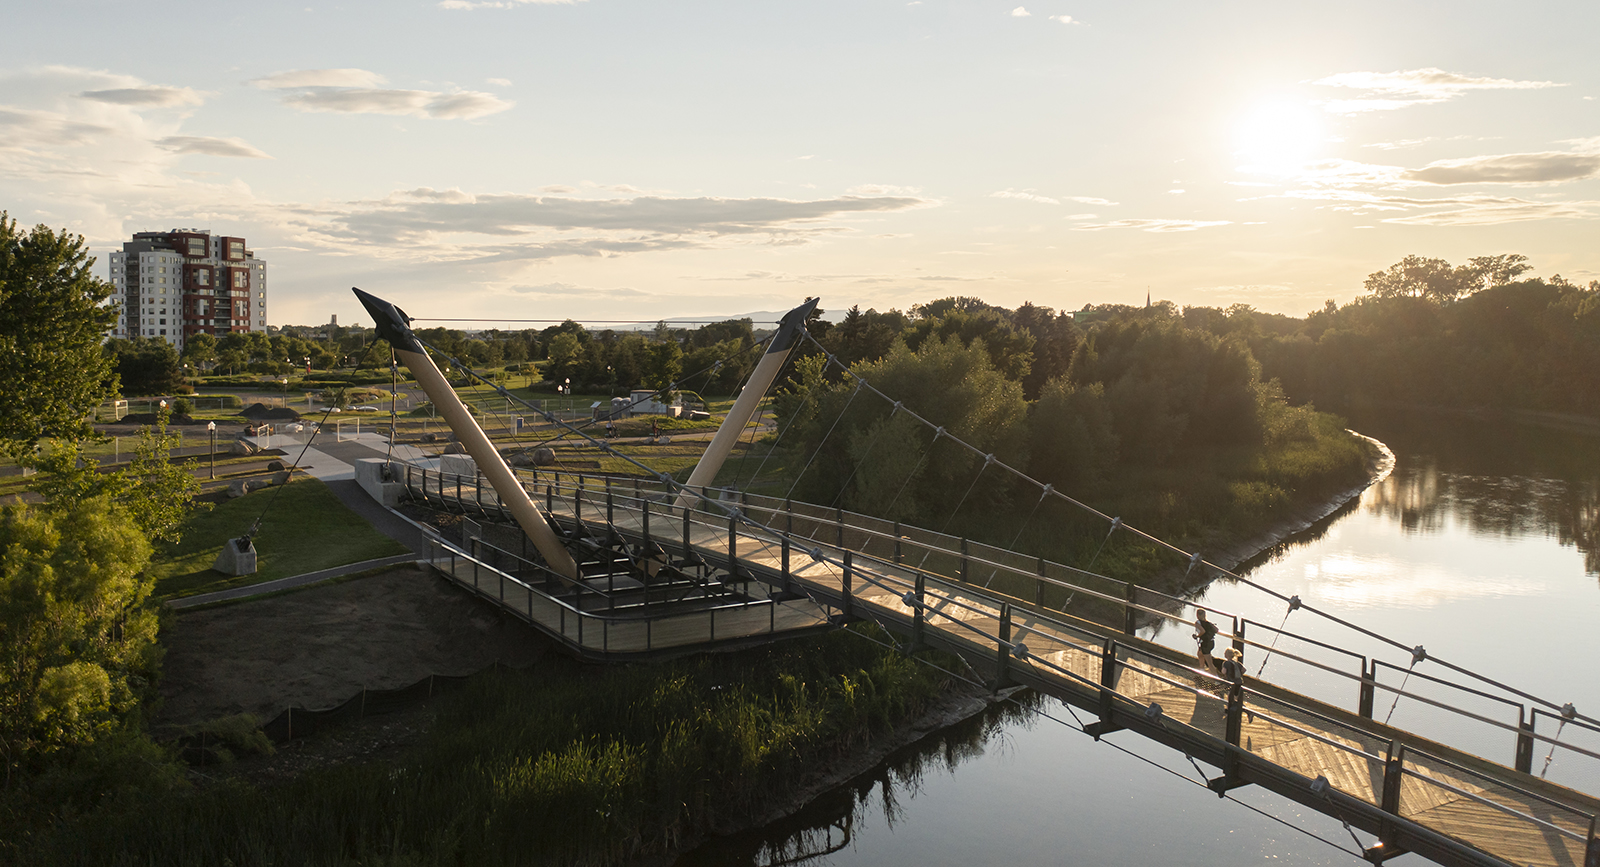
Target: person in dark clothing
pixel 1233 666
pixel 1205 635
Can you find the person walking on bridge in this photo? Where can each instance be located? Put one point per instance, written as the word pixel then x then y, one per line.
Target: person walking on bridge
pixel 1205 636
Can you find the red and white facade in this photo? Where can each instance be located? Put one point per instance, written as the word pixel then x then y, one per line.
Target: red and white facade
pixel 171 285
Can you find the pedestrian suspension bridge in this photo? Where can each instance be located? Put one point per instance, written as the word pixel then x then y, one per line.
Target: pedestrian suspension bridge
pixel 620 568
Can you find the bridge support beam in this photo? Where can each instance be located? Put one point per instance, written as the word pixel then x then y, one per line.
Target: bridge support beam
pixel 392 326
pixel 728 433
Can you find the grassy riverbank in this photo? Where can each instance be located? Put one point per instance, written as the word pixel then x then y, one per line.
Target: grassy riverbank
pixel 564 764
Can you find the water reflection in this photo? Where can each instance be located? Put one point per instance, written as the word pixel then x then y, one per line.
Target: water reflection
pixel 1424 498
pixel 1494 476
pixel 826 826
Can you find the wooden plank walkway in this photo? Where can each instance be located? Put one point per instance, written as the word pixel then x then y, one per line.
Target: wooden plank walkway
pixel 1415 794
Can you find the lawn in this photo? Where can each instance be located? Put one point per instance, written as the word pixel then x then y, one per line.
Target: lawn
pixel 305 530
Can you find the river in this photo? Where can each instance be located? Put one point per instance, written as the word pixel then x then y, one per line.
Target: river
pixel 1482 546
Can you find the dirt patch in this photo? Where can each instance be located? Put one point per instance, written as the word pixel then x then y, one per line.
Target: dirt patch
pixel 262 412
pixel 317 647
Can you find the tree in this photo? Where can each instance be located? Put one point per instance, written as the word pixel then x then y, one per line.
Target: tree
pixel 75 642
pixel 146 365
pixel 151 492
pixel 52 370
pixel 200 350
pixel 1436 279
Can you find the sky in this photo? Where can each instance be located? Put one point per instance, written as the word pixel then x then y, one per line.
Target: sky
pixel 624 160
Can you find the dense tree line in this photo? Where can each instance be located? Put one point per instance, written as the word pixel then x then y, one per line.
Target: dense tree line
pixel 1140 408
pixel 1427 333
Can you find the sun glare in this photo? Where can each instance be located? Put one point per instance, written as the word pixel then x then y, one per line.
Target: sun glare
pixel 1279 137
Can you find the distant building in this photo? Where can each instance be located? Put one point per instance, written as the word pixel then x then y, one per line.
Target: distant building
pixel 172 285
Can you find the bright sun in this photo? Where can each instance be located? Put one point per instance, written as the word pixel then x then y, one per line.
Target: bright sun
pixel 1279 137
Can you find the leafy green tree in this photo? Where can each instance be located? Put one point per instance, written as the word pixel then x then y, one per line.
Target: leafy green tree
pixel 200 350
pixel 52 320
pixel 152 492
pixel 1436 279
pixel 663 365
pixel 1010 349
pixel 1073 442
pixel 146 366
pixel 870 458
pixel 76 645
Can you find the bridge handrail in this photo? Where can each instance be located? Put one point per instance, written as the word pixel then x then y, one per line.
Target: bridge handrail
pixel 1406 750
pixel 884 579
pixel 1423 676
pixel 1297 636
pixel 579 612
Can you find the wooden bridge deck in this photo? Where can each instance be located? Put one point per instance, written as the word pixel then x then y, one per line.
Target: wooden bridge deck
pixel 1415 794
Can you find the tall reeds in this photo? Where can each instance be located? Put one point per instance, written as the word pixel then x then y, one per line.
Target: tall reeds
pixel 558 765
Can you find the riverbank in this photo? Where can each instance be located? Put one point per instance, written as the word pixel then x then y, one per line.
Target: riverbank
pixel 1298 519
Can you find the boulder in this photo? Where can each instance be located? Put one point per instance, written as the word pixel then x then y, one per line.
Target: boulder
pixel 243 448
pixel 543 457
pixel 281 478
pixel 276 465
pixel 454 449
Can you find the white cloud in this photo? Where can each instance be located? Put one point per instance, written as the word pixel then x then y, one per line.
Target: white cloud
pixel 506 227
pixel 297 78
pixel 1089 200
pixel 150 95
pixel 1155 225
pixel 1020 12
pixel 19 127
pixel 1515 211
pixel 1025 195
pixel 1534 168
pixel 1395 90
pixel 458 105
pixel 1066 19
pixel 209 146
pixel 882 190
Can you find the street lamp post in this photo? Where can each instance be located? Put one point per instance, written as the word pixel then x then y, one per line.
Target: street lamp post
pixel 211 427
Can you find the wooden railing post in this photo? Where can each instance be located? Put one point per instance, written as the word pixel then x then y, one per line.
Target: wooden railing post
pixel 1129 613
pixel 919 621
pixel 645 528
pixel 1003 648
pixel 688 509
pixel 849 601
pixel 1393 774
pixel 1108 691
pixel 964 560
pixel 1369 687
pixel 733 547
pixel 784 553
pixel 897 554
pixel 1038 588
pixel 838 523
pixel 1524 742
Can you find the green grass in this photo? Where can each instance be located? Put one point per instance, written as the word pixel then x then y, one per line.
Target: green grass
pixel 306 529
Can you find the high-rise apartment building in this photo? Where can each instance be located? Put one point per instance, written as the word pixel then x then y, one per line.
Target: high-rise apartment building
pixel 171 285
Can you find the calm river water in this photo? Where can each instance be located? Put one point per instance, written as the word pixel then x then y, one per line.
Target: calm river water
pixel 1483 546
